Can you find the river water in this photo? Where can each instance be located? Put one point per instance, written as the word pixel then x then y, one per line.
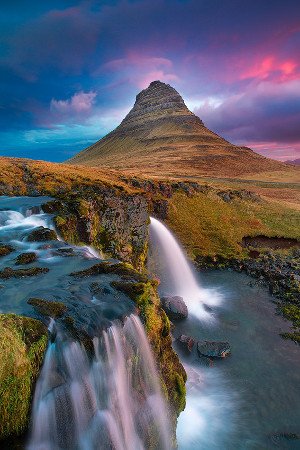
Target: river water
pixel 251 399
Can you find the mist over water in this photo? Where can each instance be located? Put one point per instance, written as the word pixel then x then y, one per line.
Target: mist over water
pixel 178 274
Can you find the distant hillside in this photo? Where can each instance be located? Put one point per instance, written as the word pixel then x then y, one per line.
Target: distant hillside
pixel 295 162
pixel 160 136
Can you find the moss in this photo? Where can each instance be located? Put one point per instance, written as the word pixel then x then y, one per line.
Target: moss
pixel 48 308
pixel 5 249
pixel 26 258
pixel 129 288
pixel 291 312
pixel 8 272
pixel 23 343
pixel 123 269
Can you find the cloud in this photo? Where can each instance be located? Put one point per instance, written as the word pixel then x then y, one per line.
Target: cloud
pixel 80 102
pixel 265 116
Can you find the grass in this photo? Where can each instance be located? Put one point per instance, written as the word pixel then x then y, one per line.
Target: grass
pixel 22 345
pixel 206 225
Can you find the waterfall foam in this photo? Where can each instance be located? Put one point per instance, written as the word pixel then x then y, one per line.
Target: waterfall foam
pixel 113 401
pixel 182 280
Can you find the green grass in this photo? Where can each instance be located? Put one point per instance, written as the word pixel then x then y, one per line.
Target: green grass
pixel 206 225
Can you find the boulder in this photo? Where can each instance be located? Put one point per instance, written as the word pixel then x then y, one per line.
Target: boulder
pixel 212 349
pixel 187 342
pixel 174 307
pixel 26 258
pixel 41 234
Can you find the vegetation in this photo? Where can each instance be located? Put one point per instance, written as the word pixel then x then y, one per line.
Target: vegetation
pixel 48 308
pixel 207 225
pixel 157 325
pixel 22 346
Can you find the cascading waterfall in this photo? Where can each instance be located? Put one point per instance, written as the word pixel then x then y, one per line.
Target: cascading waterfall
pixel 111 402
pixel 182 280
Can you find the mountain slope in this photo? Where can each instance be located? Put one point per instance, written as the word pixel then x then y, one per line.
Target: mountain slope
pixel 161 136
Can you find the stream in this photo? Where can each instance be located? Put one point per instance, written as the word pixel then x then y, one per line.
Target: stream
pixel 249 400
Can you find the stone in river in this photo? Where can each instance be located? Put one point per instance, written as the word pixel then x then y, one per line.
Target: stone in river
pixel 174 307
pixel 213 349
pixel 186 341
pixel 41 234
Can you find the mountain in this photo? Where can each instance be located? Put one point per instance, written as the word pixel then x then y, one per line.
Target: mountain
pixel 160 135
pixel 294 162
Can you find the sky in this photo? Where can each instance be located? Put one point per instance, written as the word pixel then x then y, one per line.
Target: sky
pixel 70 71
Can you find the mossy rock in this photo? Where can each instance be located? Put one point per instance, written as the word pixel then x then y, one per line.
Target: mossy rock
pixel 48 308
pixel 26 258
pixel 123 269
pixel 131 289
pixel 5 249
pixel 23 343
pixel 8 272
pixel 41 234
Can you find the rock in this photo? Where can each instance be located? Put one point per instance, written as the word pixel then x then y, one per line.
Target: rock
pixel 212 349
pixel 174 307
pixel 26 258
pixel 48 308
pixel 8 272
pixel 41 234
pixel 5 249
pixel 186 341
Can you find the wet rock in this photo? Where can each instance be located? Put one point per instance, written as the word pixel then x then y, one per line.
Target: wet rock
pixel 8 272
pixel 5 249
pixel 41 234
pixel 175 307
pixel 187 342
pixel 48 308
pixel 212 349
pixel 26 258
pixel 117 268
pixel 66 251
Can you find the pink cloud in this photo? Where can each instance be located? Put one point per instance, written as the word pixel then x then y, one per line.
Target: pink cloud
pixel 80 102
pixel 140 69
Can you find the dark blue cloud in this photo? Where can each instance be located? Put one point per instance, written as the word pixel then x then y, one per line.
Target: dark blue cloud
pixel 214 52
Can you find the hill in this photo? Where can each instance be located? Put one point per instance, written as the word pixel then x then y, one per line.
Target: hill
pixel 161 136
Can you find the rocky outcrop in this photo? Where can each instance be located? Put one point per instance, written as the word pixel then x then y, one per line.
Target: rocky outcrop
pixel 174 307
pixel 22 346
pixel 117 225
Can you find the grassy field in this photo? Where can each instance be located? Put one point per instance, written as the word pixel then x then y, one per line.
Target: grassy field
pixel 206 225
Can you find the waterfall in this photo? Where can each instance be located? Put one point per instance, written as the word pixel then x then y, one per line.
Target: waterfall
pixel 181 278
pixel 110 402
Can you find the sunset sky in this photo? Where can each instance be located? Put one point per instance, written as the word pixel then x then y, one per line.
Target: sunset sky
pixel 70 71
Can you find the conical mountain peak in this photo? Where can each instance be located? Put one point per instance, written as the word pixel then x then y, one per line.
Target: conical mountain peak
pixel 160 135
pixel 157 102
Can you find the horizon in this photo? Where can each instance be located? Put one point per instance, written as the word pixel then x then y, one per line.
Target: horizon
pixel 236 66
